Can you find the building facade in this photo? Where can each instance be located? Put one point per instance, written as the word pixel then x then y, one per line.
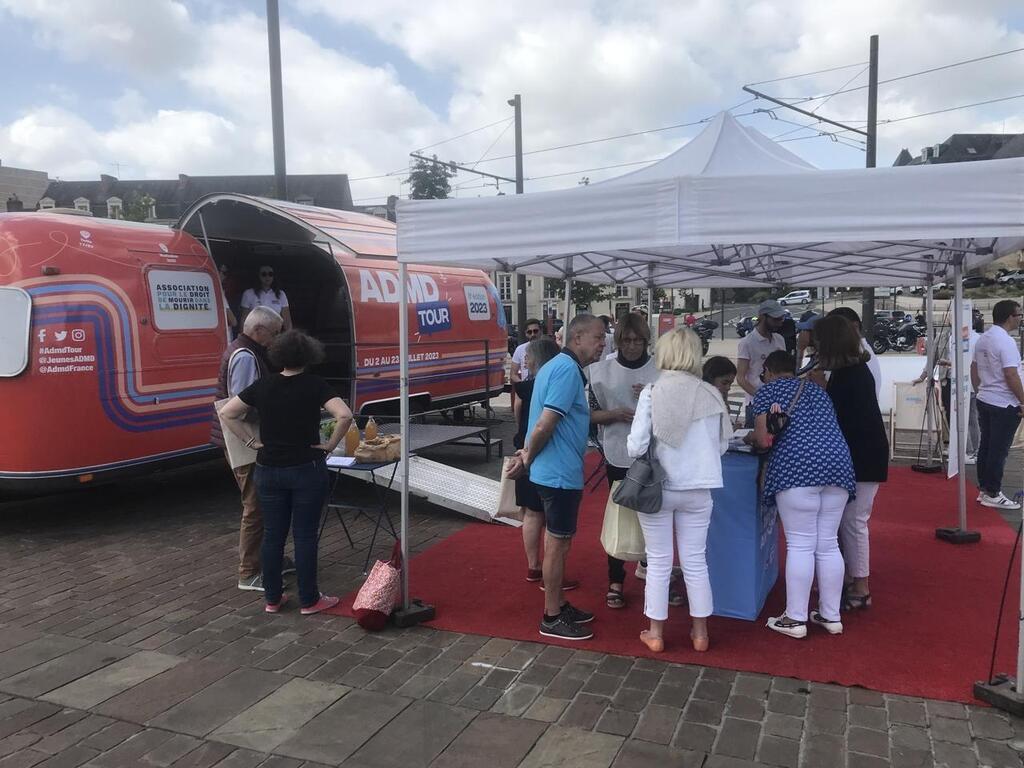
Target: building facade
pixel 20 188
pixel 166 199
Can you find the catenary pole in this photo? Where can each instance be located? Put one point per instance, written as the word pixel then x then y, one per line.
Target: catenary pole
pixel 276 99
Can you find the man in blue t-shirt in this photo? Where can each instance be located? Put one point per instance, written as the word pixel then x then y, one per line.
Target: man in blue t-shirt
pixel 556 441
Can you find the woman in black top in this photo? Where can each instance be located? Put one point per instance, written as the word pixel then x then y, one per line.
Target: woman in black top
pixel 852 390
pixel 291 471
pixel 538 352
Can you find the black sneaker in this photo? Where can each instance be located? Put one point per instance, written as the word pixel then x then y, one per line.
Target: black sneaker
pixel 575 615
pixel 287 566
pixel 564 629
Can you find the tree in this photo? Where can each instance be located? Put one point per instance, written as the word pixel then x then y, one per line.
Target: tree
pixel 582 293
pixel 429 180
pixel 138 207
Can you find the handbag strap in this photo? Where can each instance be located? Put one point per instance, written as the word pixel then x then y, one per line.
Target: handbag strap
pixel 796 398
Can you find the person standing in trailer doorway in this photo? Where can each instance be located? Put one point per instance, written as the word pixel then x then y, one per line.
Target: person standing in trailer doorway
pixel 755 347
pixel 268 294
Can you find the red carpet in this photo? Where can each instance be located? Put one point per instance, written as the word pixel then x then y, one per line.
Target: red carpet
pixel 929 632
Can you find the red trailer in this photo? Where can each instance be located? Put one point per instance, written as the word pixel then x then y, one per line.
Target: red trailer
pixel 111 332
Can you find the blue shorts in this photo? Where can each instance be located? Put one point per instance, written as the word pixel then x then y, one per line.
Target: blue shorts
pixel 561 509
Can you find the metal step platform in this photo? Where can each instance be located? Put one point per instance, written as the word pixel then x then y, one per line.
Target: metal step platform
pixel 449 487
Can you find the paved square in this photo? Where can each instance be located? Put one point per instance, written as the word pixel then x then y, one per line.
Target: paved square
pixel 125 642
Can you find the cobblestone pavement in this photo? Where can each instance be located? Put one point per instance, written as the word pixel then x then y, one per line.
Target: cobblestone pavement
pixel 124 642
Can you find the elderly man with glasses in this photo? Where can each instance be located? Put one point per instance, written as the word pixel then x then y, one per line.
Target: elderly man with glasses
pixel 995 374
pixel 243 363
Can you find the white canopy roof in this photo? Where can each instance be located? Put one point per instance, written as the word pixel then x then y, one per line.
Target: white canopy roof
pixel 733 208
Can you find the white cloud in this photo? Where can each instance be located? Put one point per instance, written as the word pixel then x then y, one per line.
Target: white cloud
pixel 585 69
pixel 142 36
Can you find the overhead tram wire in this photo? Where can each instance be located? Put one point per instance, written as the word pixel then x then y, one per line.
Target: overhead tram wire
pixel 836 136
pixel 631 134
pixel 381 175
pixel 467 133
pixel 844 85
pixel 808 74
pixel 951 109
pixel 914 74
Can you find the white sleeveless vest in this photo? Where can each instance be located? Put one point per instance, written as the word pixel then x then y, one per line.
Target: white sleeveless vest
pixel 612 385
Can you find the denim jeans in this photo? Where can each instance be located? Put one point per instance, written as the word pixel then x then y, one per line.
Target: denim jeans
pixel 291 497
pixel 998 426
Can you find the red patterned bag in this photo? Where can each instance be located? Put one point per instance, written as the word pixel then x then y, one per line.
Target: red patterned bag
pixel 379 594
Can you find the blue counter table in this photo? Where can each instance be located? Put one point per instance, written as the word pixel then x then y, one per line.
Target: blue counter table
pixel 743 556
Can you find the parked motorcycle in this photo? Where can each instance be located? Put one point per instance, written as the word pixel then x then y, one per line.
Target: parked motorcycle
pixel 899 338
pixel 705 328
pixel 744 326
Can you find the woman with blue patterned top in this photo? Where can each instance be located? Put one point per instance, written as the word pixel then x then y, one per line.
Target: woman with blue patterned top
pixel 809 478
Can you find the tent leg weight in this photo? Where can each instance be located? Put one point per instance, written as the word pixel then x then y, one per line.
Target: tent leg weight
pixel 1001 693
pixel 957 535
pixel 418 613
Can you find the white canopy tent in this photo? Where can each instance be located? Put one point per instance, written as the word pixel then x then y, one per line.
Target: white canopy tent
pixel 730 208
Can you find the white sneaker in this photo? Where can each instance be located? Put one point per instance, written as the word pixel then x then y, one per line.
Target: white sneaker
pixel 641 572
pixel 832 627
pixel 999 501
pixel 980 494
pixel 797 629
pixel 972 458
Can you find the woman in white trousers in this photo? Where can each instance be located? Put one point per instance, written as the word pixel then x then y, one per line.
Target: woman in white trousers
pixel 809 478
pixel 689 425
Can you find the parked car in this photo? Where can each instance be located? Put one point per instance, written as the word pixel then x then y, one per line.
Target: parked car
pixel 744 326
pixel 917 290
pixel 796 297
pixel 978 281
pixel 1012 278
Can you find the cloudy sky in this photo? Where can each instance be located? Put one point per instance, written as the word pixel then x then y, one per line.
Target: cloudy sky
pixel 161 87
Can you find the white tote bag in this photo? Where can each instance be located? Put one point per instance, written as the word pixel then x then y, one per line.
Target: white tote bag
pixel 239 454
pixel 621 535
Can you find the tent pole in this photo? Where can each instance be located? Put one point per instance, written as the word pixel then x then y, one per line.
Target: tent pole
pixel 930 354
pixel 568 296
pixel 960 534
pixel 651 321
pixel 411 612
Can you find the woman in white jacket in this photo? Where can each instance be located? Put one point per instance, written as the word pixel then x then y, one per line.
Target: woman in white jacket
pixel 691 431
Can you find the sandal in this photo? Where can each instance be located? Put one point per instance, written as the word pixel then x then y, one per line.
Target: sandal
pixel 614 598
pixel 856 602
pixel 654 644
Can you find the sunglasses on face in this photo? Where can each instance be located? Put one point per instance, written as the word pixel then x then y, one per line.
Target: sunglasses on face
pixel 266 274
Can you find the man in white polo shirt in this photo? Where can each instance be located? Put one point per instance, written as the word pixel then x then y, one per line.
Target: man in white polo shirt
pixel 755 347
pixel 995 373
